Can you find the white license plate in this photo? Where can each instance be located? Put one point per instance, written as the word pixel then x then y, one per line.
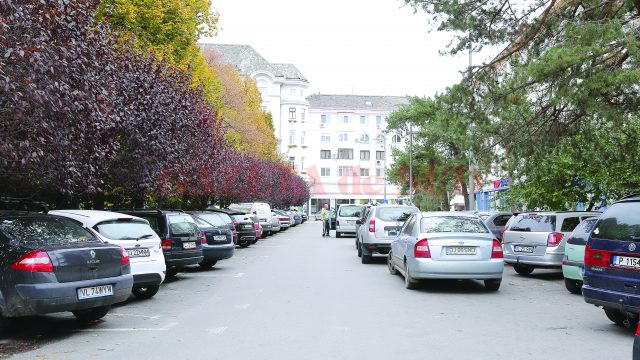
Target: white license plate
pixel 461 250
pixel 351 222
pixel 189 245
pixel 247 226
pixel 95 292
pixel 524 249
pixel 220 237
pixel 626 261
pixel 134 253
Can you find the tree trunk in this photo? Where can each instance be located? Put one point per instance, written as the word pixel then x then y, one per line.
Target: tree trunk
pixel 98 201
pixel 465 193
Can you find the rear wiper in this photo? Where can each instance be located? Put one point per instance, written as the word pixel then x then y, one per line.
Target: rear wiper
pixel 145 236
pixel 520 229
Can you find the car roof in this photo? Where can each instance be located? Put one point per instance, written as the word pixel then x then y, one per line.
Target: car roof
pixel 560 212
pixel 448 213
pixel 630 198
pixel 92 217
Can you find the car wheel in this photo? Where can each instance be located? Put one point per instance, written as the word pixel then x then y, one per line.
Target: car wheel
pixel 359 250
pixel 574 286
pixel 93 314
pixel 207 264
pixel 145 292
pixel 366 258
pixel 523 269
pixel 244 244
pixel 392 268
pixel 254 241
pixel 338 234
pixel 492 284
pixel 621 319
pixel 409 282
pixel 171 272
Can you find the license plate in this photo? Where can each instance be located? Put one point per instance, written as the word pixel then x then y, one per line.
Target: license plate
pixel 95 292
pixel 461 250
pixel 247 226
pixel 189 245
pixel 524 249
pixel 626 261
pixel 220 237
pixel 133 253
pixel 392 233
pixel 351 222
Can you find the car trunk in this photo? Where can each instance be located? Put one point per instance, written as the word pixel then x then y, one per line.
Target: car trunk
pixel 217 235
pixel 387 229
pixel 460 246
pixel 86 261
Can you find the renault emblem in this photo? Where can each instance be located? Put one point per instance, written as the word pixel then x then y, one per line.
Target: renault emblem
pixel 93 254
pixel 632 247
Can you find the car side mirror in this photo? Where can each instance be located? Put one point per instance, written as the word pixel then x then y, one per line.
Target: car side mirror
pixel 359 222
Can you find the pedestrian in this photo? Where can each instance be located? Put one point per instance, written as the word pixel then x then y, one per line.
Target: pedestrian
pixel 324 214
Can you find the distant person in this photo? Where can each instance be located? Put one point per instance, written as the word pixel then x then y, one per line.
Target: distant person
pixel 324 215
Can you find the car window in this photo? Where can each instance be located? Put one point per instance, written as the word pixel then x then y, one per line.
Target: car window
pixel 125 230
pixel 182 225
pixel 534 223
pixel 241 218
pixel 154 223
pixel 409 225
pixel 224 217
pixel 569 224
pixel 501 220
pixel 394 213
pixel 620 222
pixel 350 211
pixel 484 216
pixel 210 219
pixel 445 224
pixel 581 233
pixel 41 230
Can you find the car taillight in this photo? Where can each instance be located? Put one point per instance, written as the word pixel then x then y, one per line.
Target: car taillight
pixel 35 261
pixel 125 258
pixel 236 222
pixel 596 257
pixel 166 245
pixel 203 238
pixel 256 226
pixel 337 222
pixel 638 329
pixel 421 249
pixel 554 239
pixel 496 250
pixel 372 225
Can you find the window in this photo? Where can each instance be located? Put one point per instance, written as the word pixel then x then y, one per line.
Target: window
pixel 302 163
pixel 364 138
pixel 364 171
pixel 303 114
pixel 345 154
pixel 620 222
pixel 325 172
pixel 325 154
pixel 534 223
pixel 379 155
pixel 292 137
pixel 345 119
pixel 569 224
pixel 396 139
pixel 345 171
pixel 325 138
pixel 292 162
pixel 379 120
pixel 380 139
pixel 38 231
pixel 324 119
pixel 379 172
pixel 344 137
pixel 292 113
pixel 364 120
pixel 501 220
pixel 452 224
pixel 302 134
pixel 581 233
pixel 365 155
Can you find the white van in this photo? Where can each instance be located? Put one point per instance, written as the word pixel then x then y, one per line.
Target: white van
pixel 261 210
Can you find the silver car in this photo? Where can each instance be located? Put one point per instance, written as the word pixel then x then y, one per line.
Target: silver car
pixel 495 221
pixel 446 245
pixel 275 223
pixel 535 239
pixel 346 219
pixel 381 226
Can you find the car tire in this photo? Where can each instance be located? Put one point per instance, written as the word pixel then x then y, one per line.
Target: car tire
pixel 574 286
pixel 244 244
pixel 93 314
pixel 391 266
pixel 366 258
pixel 171 272
pixel 145 292
pixel 492 284
pixel 621 319
pixel 207 264
pixel 254 241
pixel 522 269
pixel 338 235
pixel 409 282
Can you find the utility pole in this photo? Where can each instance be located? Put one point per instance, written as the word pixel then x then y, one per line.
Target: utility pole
pixel 410 165
pixel 384 169
pixel 470 189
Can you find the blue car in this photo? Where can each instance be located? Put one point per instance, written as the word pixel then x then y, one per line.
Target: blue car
pixel 612 263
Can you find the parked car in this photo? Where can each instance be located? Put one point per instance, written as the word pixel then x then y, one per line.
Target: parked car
pixel 363 219
pixel 380 227
pixel 226 217
pixel 296 218
pixel 52 264
pixel 346 219
pixel 305 217
pixel 133 234
pixel 180 237
pixel 219 237
pixel 258 227
pixel 446 245
pixel 245 228
pixel 573 262
pixel 275 223
pixel 261 210
pixel 534 239
pixel 284 219
pixel 612 262
pixel 495 221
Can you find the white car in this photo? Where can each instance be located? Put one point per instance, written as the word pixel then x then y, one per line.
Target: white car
pixel 261 210
pixel 133 234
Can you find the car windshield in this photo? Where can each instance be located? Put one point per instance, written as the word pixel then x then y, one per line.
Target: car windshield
pixel 395 213
pixel 40 230
pixel 211 219
pixel 350 211
pixel 182 225
pixel 449 224
pixel 620 222
pixel 534 223
pixel 125 230
pixel 484 216
pixel 241 218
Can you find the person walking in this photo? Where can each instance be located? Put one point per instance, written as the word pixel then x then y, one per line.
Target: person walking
pixel 324 214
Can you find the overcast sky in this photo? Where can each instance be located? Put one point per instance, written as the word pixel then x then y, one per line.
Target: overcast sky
pixel 368 47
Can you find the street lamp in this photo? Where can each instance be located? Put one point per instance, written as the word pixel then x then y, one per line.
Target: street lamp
pixel 410 165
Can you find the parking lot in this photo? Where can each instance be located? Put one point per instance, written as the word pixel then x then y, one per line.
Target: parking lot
pixel 297 295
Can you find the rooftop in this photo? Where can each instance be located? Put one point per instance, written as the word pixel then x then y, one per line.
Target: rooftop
pixel 357 102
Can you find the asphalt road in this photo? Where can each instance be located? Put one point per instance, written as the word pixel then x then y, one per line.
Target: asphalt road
pixel 297 295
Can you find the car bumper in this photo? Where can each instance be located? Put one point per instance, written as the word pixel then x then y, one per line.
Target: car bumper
pixel 143 272
pixel 346 229
pixel 218 252
pixel 611 299
pixel 173 261
pixel 266 226
pixel 380 248
pixel 546 260
pixel 34 299
pixel 481 270
pixel 572 270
